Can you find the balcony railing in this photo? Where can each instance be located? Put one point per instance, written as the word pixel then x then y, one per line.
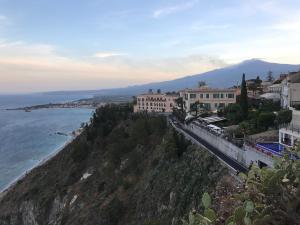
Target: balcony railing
pixel 290 126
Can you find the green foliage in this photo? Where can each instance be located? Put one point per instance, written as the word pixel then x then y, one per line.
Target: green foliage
pixel 271 195
pixel 197 219
pixel 267 105
pixel 176 144
pixel 209 216
pixel 284 116
pixel 233 113
pixel 256 85
pixel 265 120
pixel 80 151
pixel 244 128
pixel 152 222
pixel 206 200
pixel 244 99
pixel 105 119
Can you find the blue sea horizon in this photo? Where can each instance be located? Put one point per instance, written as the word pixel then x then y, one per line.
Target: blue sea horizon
pixel 27 138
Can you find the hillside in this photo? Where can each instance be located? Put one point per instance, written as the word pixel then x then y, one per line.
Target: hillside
pixel 123 169
pixel 228 76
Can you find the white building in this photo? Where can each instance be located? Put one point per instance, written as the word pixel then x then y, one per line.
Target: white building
pixel 291 133
pixel 290 91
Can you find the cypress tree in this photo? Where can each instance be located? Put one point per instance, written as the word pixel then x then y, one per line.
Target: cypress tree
pixel 244 98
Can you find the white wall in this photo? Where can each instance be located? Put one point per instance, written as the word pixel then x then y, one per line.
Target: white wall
pixel 244 155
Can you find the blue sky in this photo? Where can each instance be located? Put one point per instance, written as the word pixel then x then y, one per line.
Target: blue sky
pixel 68 45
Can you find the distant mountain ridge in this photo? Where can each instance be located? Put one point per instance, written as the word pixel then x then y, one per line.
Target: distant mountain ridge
pixel 224 77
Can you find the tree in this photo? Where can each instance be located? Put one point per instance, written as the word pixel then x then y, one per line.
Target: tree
pixel 244 128
pixel 201 84
pixel 266 119
pixel 270 77
pixel 256 85
pixel 284 116
pixel 233 113
pixel 244 99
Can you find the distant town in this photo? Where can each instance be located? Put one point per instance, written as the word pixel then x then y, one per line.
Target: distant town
pixel 250 124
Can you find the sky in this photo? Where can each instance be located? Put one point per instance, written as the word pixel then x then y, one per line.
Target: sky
pixel 48 45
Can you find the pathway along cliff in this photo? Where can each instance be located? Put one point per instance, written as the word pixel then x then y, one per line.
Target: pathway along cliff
pixel 123 169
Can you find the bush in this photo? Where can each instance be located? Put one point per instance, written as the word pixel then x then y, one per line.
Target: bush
pixel 80 151
pixel 233 113
pixel 266 119
pixel 269 106
pixel 284 116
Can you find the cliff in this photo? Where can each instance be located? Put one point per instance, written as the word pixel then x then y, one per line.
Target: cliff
pixel 123 169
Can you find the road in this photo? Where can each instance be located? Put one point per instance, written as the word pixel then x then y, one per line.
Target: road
pixel 233 164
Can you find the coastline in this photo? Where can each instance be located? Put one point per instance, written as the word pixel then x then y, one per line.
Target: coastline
pixel 42 162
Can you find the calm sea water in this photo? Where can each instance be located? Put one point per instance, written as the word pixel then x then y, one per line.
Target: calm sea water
pixel 26 138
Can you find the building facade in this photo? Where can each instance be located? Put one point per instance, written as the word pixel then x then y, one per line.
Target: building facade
pixel 208 98
pixel 290 91
pixel 290 134
pixel 155 102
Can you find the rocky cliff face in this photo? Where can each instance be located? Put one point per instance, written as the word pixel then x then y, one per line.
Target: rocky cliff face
pixel 136 171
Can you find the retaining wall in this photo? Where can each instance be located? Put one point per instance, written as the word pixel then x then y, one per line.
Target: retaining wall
pixel 245 155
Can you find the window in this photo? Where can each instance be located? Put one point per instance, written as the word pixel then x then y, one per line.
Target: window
pixel 216 105
pixel 207 95
pixel 221 95
pixel 192 95
pixel 201 95
pixel 186 96
pixel 215 95
pixel 221 105
pixel 230 95
pixel 207 106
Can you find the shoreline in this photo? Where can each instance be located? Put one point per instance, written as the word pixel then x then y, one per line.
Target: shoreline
pixel 47 158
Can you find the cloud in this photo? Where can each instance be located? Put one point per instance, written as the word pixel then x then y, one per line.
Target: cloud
pixel 4 21
pixel 108 54
pixel 38 67
pixel 173 9
pixel 205 27
pixel 2 18
pixel 288 24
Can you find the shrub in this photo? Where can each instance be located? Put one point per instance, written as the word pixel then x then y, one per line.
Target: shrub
pixel 233 113
pixel 80 151
pixel 284 116
pixel 266 119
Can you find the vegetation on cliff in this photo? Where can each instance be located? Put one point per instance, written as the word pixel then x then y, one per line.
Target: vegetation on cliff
pixel 124 168
pixel 270 197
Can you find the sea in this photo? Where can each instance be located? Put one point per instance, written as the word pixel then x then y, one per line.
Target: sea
pixel 28 138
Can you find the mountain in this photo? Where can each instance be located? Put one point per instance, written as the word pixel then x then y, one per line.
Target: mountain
pixel 224 77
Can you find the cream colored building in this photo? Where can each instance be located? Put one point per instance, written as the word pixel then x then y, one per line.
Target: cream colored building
pixel 155 102
pixel 209 98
